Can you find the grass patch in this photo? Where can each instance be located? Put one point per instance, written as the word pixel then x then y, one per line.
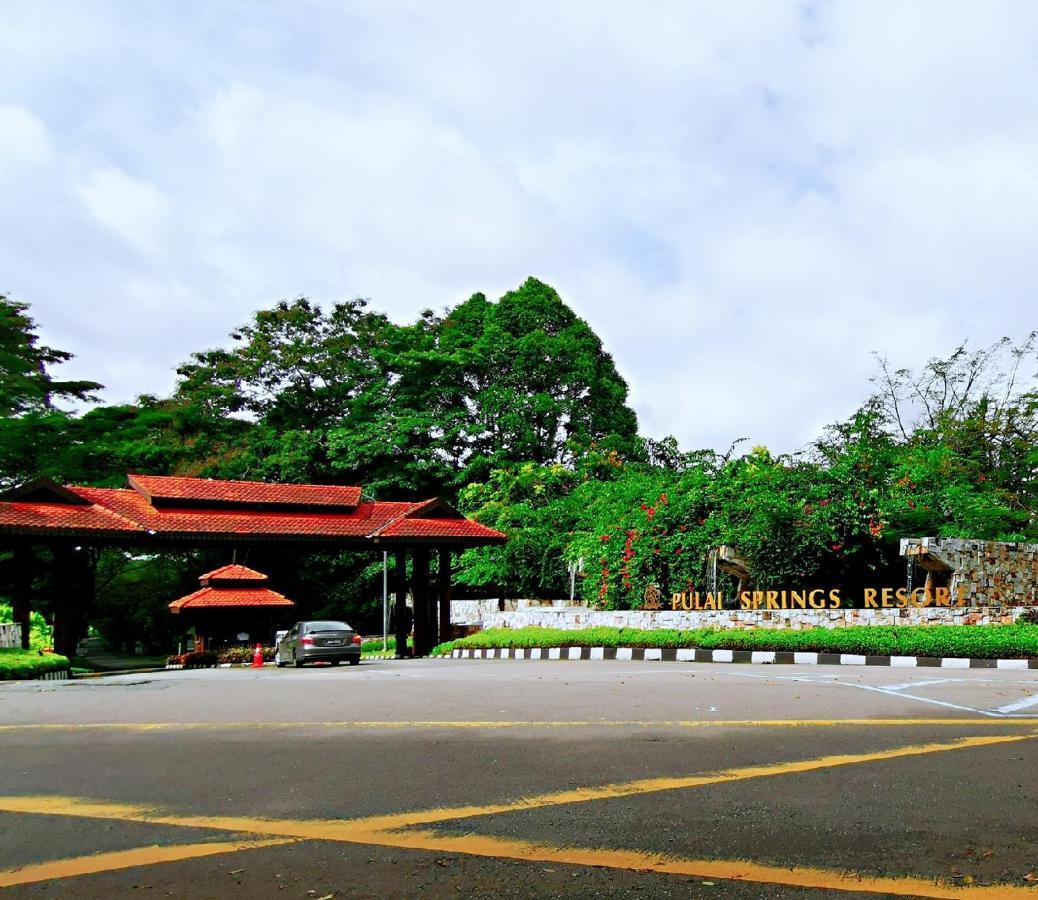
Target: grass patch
pixel 967 641
pixel 374 645
pixel 17 664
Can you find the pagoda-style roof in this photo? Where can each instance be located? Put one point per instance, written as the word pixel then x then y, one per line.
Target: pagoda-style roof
pixel 231 586
pixel 156 509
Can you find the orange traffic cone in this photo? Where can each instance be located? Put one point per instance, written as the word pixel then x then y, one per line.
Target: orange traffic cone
pixel 257 657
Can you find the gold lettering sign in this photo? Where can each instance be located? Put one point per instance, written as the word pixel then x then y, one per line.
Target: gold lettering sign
pixel 819 598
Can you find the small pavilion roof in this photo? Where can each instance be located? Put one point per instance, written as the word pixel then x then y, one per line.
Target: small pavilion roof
pixel 157 508
pixel 231 586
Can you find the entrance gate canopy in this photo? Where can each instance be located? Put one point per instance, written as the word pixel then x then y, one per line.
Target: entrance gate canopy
pixel 162 511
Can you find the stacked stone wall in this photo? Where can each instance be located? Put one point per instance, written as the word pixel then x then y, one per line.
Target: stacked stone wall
pixel 738 619
pixel 984 573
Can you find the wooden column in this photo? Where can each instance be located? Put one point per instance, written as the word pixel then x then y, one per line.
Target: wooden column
pixel 62 587
pixel 21 601
pixel 401 620
pixel 445 595
pixel 424 623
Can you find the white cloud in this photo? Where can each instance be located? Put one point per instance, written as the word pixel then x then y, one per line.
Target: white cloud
pixel 743 198
pixel 133 209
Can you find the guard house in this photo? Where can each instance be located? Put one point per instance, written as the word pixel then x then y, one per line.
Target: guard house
pixel 231 601
pixel 159 512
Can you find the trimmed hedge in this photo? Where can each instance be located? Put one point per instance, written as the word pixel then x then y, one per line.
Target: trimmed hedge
pixel 968 641
pixel 16 663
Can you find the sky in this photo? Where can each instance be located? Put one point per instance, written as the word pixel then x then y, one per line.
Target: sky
pixel 744 199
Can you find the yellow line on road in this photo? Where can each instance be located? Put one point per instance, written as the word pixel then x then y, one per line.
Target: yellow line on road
pixel 730 870
pixel 455 724
pixel 656 785
pixel 348 829
pixel 396 830
pixel 124 859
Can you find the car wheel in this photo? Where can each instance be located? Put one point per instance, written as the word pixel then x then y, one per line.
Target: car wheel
pixel 335 662
pixel 298 663
pixel 355 661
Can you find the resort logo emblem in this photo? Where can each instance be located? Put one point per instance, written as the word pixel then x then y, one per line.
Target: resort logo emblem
pixel 653 599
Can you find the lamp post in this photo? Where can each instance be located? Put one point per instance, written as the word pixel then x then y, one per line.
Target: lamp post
pixel 385 601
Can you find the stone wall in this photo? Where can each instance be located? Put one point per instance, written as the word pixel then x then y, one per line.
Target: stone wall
pixel 982 573
pixel 474 612
pixel 10 635
pixel 581 617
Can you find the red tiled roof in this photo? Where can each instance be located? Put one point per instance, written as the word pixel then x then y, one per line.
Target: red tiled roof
pixel 168 490
pixel 183 514
pixel 231 573
pixel 49 518
pixel 357 523
pixel 433 529
pixel 230 597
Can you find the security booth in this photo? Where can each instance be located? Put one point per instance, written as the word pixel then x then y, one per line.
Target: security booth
pixel 234 605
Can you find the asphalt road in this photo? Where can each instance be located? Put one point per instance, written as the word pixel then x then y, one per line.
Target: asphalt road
pixel 458 778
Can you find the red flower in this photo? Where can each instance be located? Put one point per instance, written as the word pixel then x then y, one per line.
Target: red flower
pixel 677 551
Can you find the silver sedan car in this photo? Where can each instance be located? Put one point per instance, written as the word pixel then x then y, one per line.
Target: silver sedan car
pixel 325 641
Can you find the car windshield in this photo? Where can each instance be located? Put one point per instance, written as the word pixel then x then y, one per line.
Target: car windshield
pixel 327 626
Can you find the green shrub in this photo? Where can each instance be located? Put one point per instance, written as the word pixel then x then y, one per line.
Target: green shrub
pixel 971 641
pixel 16 663
pixel 243 654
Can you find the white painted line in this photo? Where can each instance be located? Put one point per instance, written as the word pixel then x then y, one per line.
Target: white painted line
pixel 904 662
pixel 1011 664
pixel 851 659
pixel 904 696
pixel 762 656
pixel 535 653
pixel 686 655
pixel 598 652
pixel 478 654
pixel 805 659
pixel 574 653
pixel 554 652
pixel 919 684
pixel 1019 704
pixel 520 653
pixel 653 653
pixel 466 654
pixel 722 656
pixel 951 663
pixel 623 652
pixel 506 653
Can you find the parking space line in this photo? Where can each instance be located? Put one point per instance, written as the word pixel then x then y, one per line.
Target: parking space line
pixel 1025 703
pixel 919 684
pixel 126 859
pixel 916 697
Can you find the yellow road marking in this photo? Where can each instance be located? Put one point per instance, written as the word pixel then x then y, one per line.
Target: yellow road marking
pixel 124 859
pixel 655 785
pixel 600 723
pixel 731 870
pixel 395 829
pixel 348 829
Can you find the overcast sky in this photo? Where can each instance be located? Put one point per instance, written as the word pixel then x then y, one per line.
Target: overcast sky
pixel 744 199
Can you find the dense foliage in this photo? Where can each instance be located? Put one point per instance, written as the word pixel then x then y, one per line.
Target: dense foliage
pixel 514 410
